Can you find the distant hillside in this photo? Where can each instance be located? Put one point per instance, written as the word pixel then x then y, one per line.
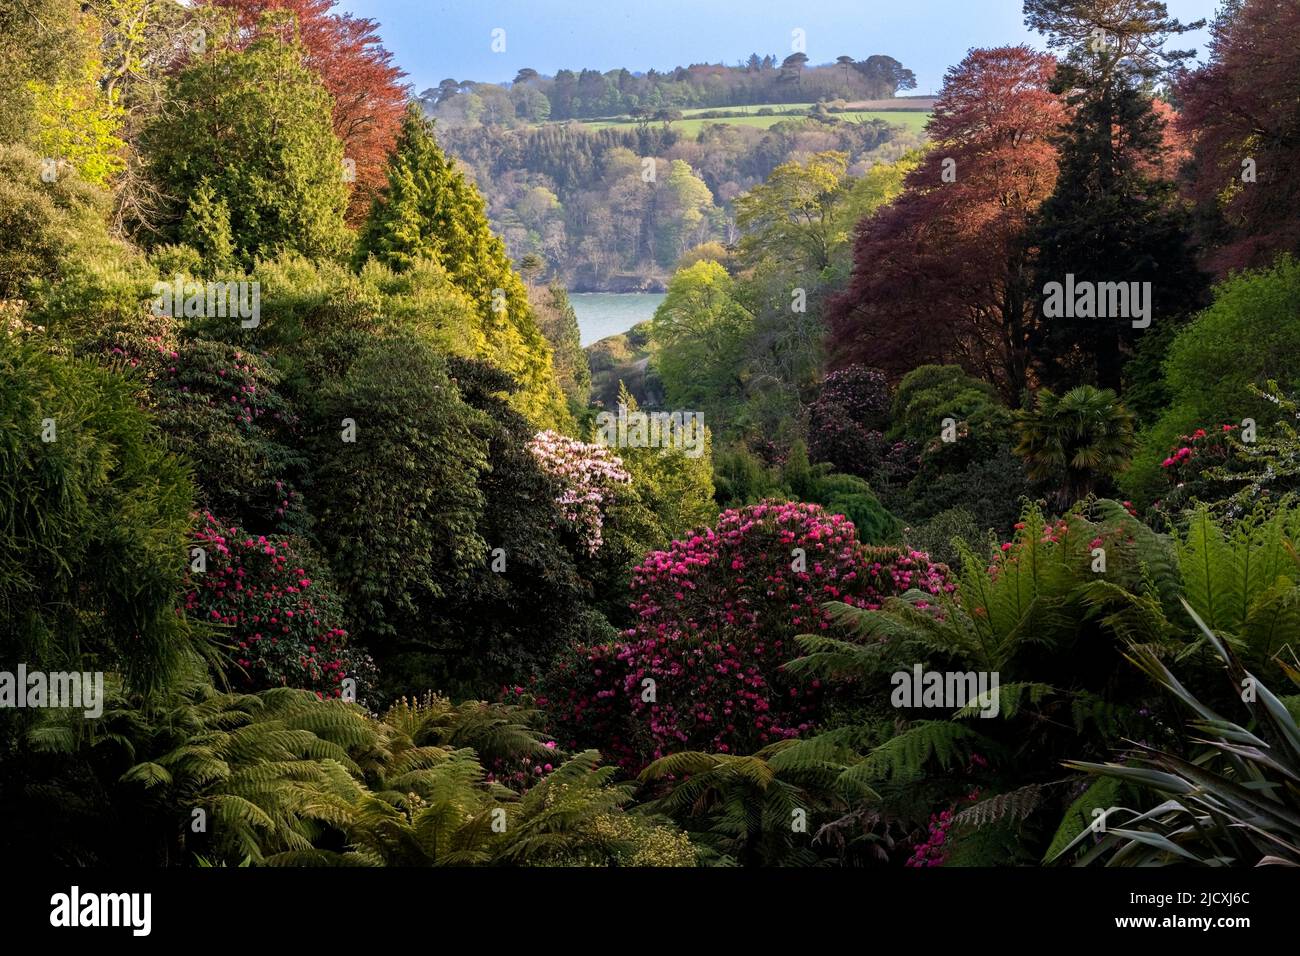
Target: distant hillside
pixel 614 208
pixel 923 103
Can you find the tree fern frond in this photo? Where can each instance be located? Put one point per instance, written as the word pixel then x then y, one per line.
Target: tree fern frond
pixel 1010 698
pixel 904 756
pixel 1013 806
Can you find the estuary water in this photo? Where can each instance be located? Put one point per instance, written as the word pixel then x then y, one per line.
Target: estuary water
pixel 602 314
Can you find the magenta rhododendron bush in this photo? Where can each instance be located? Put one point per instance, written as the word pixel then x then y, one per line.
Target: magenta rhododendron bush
pixel 284 625
pixel 716 615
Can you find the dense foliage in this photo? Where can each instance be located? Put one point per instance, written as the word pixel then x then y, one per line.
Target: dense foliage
pixel 371 581
pixel 277 182
pixel 950 250
pixel 353 66
pixel 428 210
pixel 281 623
pixel 95 516
pixel 615 208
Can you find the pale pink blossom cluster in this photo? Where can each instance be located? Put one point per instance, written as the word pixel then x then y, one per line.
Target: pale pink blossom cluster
pixel 588 476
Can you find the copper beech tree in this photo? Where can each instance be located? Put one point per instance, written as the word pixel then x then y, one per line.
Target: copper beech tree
pixel 942 275
pixel 1241 108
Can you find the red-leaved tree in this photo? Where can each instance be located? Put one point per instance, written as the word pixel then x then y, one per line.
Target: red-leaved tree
pixel 1242 109
pixel 369 96
pixel 941 275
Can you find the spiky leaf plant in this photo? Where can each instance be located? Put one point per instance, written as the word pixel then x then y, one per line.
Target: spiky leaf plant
pixel 1234 800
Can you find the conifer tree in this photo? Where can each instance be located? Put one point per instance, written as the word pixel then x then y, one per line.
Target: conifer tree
pixel 429 210
pixel 1113 217
pixel 252 129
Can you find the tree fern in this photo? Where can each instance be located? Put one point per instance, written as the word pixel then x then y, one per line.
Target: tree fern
pixel 1010 807
pixel 905 756
pixel 1010 699
pixel 744 808
pixel 1101 794
pixel 285 778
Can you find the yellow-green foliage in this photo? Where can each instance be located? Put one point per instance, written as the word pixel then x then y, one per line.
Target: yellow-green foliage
pixel 626 839
pixel 76 121
pixel 676 487
pixel 38 42
pixel 309 307
pixel 55 250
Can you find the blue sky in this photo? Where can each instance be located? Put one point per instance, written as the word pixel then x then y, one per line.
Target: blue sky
pixel 436 40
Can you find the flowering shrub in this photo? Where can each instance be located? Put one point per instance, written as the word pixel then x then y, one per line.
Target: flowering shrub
pixel 587 475
pixel 1234 476
pixel 1200 450
pixel 715 617
pixel 935 849
pixel 932 851
pixel 283 623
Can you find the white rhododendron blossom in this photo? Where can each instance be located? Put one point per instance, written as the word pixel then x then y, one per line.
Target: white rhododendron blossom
pixel 587 475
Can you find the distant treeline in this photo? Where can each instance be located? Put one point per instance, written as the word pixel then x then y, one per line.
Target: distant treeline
pixel 615 209
pixel 534 98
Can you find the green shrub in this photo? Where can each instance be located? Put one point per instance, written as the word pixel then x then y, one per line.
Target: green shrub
pixel 515 609
pixel 286 779
pixel 397 508
pixel 937 536
pixel 1249 336
pixel 992 489
pixel 931 393
pixel 55 249
pixel 221 408
pixel 742 480
pixel 276 183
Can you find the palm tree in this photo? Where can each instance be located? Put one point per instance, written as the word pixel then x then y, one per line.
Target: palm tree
pixel 1075 440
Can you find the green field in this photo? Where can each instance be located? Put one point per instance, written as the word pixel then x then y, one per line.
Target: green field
pixel 691 125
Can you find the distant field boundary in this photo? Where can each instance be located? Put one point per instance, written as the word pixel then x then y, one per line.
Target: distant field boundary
pixel 909 104
pixel 900 104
